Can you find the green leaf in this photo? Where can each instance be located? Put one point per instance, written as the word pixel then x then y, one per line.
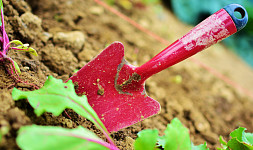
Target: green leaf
pixel 55 96
pixel 23 47
pixel 1 4
pixel 221 149
pixel 234 144
pixel 239 134
pixel 17 42
pixel 240 140
pixel 249 137
pixel 223 143
pixel 161 141
pixel 200 147
pixel 16 67
pixel 76 70
pixel 0 136
pixel 146 140
pixel 26 49
pixel 32 51
pixel 36 137
pixel 177 136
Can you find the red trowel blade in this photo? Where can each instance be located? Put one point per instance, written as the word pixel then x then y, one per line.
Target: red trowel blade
pixel 97 81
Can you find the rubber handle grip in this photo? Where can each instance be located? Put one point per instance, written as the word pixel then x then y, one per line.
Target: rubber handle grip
pixel 240 23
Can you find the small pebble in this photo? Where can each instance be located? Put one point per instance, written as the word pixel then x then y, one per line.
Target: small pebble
pixel 73 40
pixel 96 10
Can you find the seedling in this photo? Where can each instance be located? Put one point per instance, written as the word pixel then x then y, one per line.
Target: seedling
pixel 176 138
pixel 239 140
pixel 31 137
pixel 55 96
pixel 12 69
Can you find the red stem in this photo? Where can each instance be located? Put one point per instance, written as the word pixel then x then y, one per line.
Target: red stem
pixel 5 39
pixel 107 145
pixel 16 76
pixel 18 49
pixel 1 55
pixel 98 124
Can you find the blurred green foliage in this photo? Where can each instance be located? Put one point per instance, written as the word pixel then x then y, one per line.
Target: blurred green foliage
pixel 194 11
pixel 133 1
pixel 129 4
pixel 149 1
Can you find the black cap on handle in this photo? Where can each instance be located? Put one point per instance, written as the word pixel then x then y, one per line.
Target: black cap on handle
pixel 239 22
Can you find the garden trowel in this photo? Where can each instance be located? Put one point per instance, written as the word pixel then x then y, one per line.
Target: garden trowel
pixel 115 89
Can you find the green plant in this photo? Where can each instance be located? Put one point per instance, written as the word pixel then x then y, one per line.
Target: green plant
pixel 176 138
pixel 30 137
pixel 240 140
pixel 129 4
pixel 6 46
pixel 55 96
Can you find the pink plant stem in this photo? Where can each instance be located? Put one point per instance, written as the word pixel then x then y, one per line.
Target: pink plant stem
pixel 107 145
pixel 18 78
pixel 111 147
pixel 67 114
pixel 7 46
pixel 5 38
pixel 106 133
pixel 11 85
pixel 18 49
pixel 1 54
pixel 2 27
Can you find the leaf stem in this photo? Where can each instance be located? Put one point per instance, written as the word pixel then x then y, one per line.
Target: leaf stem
pixel 105 144
pixel 18 78
pixel 5 39
pixel 105 132
pixel 7 46
pixel 2 54
pixel 18 49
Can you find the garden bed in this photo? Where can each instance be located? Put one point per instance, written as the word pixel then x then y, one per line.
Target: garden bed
pixel 205 104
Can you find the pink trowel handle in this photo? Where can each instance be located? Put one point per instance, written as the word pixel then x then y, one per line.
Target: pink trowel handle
pixel 215 28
